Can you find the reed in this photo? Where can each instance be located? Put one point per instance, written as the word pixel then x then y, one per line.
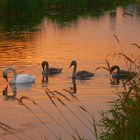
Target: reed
pixel 57 98
pixel 21 102
pixel 70 110
pixel 12 131
pixel 107 67
pixel 120 121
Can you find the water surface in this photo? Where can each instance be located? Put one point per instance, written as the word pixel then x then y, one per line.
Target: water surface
pixel 87 40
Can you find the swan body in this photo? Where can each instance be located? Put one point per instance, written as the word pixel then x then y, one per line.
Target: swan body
pixel 80 74
pixel 121 74
pixel 18 79
pixel 50 70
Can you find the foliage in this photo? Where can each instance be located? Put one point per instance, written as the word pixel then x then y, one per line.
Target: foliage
pixel 122 120
pixel 12 8
pixel 20 7
pixel 28 13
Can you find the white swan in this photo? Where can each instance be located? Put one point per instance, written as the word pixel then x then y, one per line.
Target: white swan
pixel 49 70
pixel 18 79
pixel 80 74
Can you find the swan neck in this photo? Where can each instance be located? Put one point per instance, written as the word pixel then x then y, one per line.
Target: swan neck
pixel 118 70
pixel 74 69
pixel 46 67
pixel 14 72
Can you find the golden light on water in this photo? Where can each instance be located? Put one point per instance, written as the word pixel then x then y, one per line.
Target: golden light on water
pixel 87 40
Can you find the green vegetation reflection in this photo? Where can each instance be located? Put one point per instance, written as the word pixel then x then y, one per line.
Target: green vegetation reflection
pixel 30 13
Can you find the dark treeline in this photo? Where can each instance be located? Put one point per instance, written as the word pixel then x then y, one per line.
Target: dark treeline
pixel 27 14
pixel 12 8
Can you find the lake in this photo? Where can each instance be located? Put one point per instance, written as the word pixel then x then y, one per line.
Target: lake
pixel 88 40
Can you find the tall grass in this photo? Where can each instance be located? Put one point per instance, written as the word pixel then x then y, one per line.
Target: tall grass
pixel 58 100
pixel 7 129
pixel 122 120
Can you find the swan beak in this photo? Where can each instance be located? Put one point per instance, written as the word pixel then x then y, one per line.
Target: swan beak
pixel 6 78
pixel 70 65
pixel 111 71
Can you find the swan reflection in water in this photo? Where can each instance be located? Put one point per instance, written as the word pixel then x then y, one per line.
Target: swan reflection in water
pixel 14 88
pixel 114 82
pixel 7 96
pixel 45 80
pixel 74 87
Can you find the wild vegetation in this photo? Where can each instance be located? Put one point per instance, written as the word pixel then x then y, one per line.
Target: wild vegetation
pixel 26 8
pixel 28 14
pixel 120 121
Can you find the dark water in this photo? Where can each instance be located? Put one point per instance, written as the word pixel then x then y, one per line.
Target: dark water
pixel 85 39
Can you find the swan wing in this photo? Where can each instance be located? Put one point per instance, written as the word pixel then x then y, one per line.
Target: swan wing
pixel 84 74
pixel 52 70
pixel 124 74
pixel 25 78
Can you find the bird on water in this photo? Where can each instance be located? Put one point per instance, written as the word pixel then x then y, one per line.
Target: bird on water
pixel 83 75
pixel 50 70
pixel 18 78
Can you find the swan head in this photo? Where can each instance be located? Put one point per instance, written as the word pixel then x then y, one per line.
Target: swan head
pixel 45 65
pixel 5 72
pixel 73 63
pixel 115 67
